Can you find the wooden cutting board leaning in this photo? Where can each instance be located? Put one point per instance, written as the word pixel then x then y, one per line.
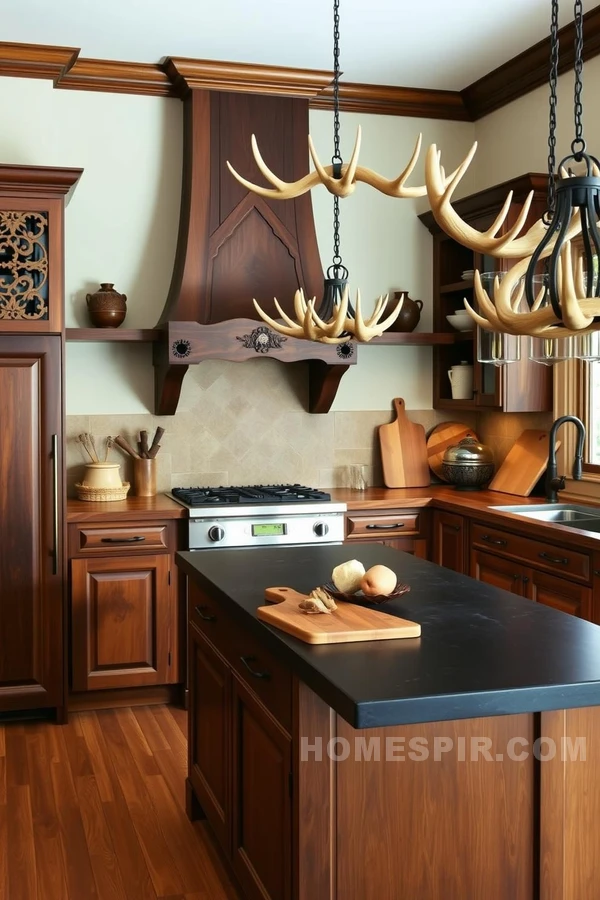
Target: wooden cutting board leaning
pixel 526 461
pixel 403 451
pixel 349 622
pixel 448 434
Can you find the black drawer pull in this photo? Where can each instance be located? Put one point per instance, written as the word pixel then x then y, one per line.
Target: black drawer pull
pixel 554 559
pixel 455 527
pixel 131 540
pixel 490 540
pixel 250 659
pixel 204 617
pixel 525 579
pixel 386 527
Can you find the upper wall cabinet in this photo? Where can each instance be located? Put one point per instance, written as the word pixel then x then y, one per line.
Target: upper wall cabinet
pixel 32 247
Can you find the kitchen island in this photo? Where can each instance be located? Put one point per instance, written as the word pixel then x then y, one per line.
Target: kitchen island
pixel 461 765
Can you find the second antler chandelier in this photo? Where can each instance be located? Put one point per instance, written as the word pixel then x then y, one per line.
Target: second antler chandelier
pixel 569 304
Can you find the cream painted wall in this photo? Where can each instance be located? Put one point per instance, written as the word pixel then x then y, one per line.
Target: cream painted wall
pixel 122 219
pixel 514 140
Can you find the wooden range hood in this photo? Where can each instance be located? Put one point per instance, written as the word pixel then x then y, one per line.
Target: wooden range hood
pixel 234 245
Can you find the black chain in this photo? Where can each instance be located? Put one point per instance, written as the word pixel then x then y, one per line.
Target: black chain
pixel 552 80
pixel 336 159
pixel 578 145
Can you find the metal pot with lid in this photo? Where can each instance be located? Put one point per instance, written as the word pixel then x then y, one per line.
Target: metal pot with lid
pixel 468 465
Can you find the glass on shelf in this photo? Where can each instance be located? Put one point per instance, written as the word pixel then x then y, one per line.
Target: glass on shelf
pixel 496 347
pixel 587 346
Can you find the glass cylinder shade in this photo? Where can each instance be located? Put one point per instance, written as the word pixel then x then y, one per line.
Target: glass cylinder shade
pixel 496 347
pixel 548 350
pixel 587 346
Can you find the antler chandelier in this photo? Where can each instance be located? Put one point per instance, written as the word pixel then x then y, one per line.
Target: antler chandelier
pixel 568 302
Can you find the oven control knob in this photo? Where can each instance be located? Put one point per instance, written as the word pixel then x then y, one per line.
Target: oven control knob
pixel 216 533
pixel 320 529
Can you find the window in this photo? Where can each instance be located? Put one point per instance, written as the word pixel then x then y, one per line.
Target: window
pixel 593 414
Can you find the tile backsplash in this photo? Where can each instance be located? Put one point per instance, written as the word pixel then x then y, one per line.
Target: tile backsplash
pixel 247 430
pixel 251 427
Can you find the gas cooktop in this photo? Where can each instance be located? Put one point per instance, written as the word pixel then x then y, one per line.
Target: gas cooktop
pixel 249 495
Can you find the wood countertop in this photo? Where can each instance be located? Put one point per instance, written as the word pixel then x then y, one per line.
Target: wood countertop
pixel 131 509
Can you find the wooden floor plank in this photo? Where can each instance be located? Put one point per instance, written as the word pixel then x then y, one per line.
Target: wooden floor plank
pixel 76 858
pixel 22 874
pixel 181 717
pixel 92 737
pixel 94 810
pixel 99 841
pixel 153 734
pixel 164 874
pixel 52 881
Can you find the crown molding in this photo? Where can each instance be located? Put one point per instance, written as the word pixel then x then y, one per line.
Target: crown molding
pixel 117 77
pixel 529 70
pixel 242 78
pixel 35 60
pixel 389 100
pixel 38 180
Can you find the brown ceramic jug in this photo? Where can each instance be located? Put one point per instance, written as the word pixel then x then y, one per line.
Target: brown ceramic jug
pixel 107 308
pixel 409 315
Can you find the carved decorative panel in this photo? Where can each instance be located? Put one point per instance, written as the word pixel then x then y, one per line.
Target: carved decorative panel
pixel 23 265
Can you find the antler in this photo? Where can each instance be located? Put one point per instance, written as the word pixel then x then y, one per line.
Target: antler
pixel 351 174
pixel 339 328
pixel 510 245
pixel 577 311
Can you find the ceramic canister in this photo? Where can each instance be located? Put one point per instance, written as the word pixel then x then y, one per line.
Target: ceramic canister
pixel 461 381
pixel 102 475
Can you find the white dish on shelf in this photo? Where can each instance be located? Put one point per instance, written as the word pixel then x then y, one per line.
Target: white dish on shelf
pixel 468 275
pixel 462 321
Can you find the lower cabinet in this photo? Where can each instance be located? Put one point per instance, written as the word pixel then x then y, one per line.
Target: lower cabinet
pixel 240 756
pixel 124 606
pixel 121 622
pixel 402 529
pixel 449 541
pixel 550 590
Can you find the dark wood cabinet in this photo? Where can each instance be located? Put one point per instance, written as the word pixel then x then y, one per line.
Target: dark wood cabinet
pixel 559 593
pixel 240 748
pixel 402 529
pixel 262 819
pixel 502 573
pixel 32 671
pixel 449 541
pixel 522 386
pixel 209 733
pixel 505 568
pixel 122 628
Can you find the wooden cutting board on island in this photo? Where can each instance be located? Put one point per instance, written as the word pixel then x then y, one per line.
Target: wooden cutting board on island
pixel 349 622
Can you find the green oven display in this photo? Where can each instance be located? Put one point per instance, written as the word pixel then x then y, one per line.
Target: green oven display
pixel 269 530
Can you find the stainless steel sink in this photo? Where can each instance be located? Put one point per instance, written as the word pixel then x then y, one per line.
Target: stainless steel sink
pixel 565 513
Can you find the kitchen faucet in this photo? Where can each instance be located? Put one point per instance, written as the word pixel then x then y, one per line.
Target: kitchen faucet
pixel 554 482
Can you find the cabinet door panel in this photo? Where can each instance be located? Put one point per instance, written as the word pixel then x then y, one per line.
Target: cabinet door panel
pixel 262 832
pixel 31 523
pixel 560 594
pixel 209 734
pixel 121 622
pixel 449 541
pixel 502 573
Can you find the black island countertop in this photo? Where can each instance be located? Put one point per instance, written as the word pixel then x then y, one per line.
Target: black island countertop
pixel 482 650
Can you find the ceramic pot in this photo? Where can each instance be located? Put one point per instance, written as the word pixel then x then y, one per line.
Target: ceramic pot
pixel 102 475
pixel 106 307
pixel 468 465
pixel 409 315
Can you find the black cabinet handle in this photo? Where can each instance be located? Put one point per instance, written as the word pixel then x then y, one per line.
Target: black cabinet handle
pixel 554 559
pixel 516 577
pixel 491 540
pixel 525 579
pixel 250 659
pixel 55 511
pixel 596 571
pixel 386 527
pixel 454 527
pixel 131 540
pixel 209 618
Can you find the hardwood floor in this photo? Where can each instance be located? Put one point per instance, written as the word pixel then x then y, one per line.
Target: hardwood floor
pixel 95 810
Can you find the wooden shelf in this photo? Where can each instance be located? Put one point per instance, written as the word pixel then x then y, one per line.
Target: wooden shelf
pixel 456 286
pixel 112 334
pixel 421 338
